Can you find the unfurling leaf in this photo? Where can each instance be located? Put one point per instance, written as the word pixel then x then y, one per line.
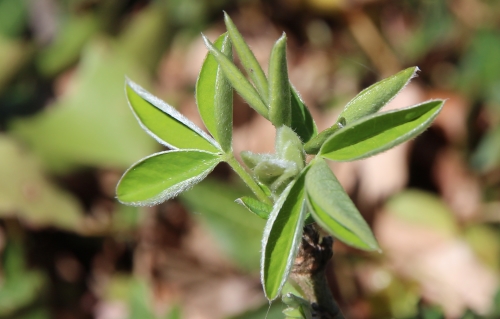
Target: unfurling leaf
pixel 282 236
pixel 289 147
pixel 333 210
pixel 266 167
pixel 166 124
pixel 298 308
pixel 247 58
pixel 164 175
pixel 380 132
pixel 214 96
pixel 253 159
pixel 238 80
pixel 280 112
pixel 271 170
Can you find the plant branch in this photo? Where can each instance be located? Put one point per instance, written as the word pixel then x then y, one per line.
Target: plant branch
pixel 308 273
pixel 248 179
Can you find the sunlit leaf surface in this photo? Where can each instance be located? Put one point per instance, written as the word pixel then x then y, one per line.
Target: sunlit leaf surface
pixel 164 175
pixel 379 132
pixel 165 123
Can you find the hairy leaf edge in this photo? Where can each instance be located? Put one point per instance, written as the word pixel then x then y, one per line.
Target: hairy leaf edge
pixel 296 241
pixel 174 190
pixel 367 90
pixel 344 223
pixel 412 134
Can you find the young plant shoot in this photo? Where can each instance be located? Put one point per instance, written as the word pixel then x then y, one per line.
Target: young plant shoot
pixel 290 192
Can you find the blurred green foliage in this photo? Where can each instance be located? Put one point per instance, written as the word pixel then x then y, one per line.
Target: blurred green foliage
pixel 88 126
pixel 237 232
pixel 20 286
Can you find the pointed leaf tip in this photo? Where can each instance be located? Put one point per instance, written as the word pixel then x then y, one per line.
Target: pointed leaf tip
pixel 367 102
pixel 238 81
pixel 280 112
pixel 214 96
pixel 373 98
pixel 248 60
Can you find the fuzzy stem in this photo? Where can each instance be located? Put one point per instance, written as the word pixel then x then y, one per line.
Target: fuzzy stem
pixel 308 273
pixel 248 179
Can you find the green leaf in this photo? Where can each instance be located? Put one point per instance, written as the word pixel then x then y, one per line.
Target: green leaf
pixel 166 124
pixel 214 96
pixel 279 86
pixel 371 99
pixel 333 210
pixel 257 207
pixel 282 236
pixel 164 175
pixel 367 102
pixel 238 80
pixel 302 121
pixel 380 132
pixel 247 58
